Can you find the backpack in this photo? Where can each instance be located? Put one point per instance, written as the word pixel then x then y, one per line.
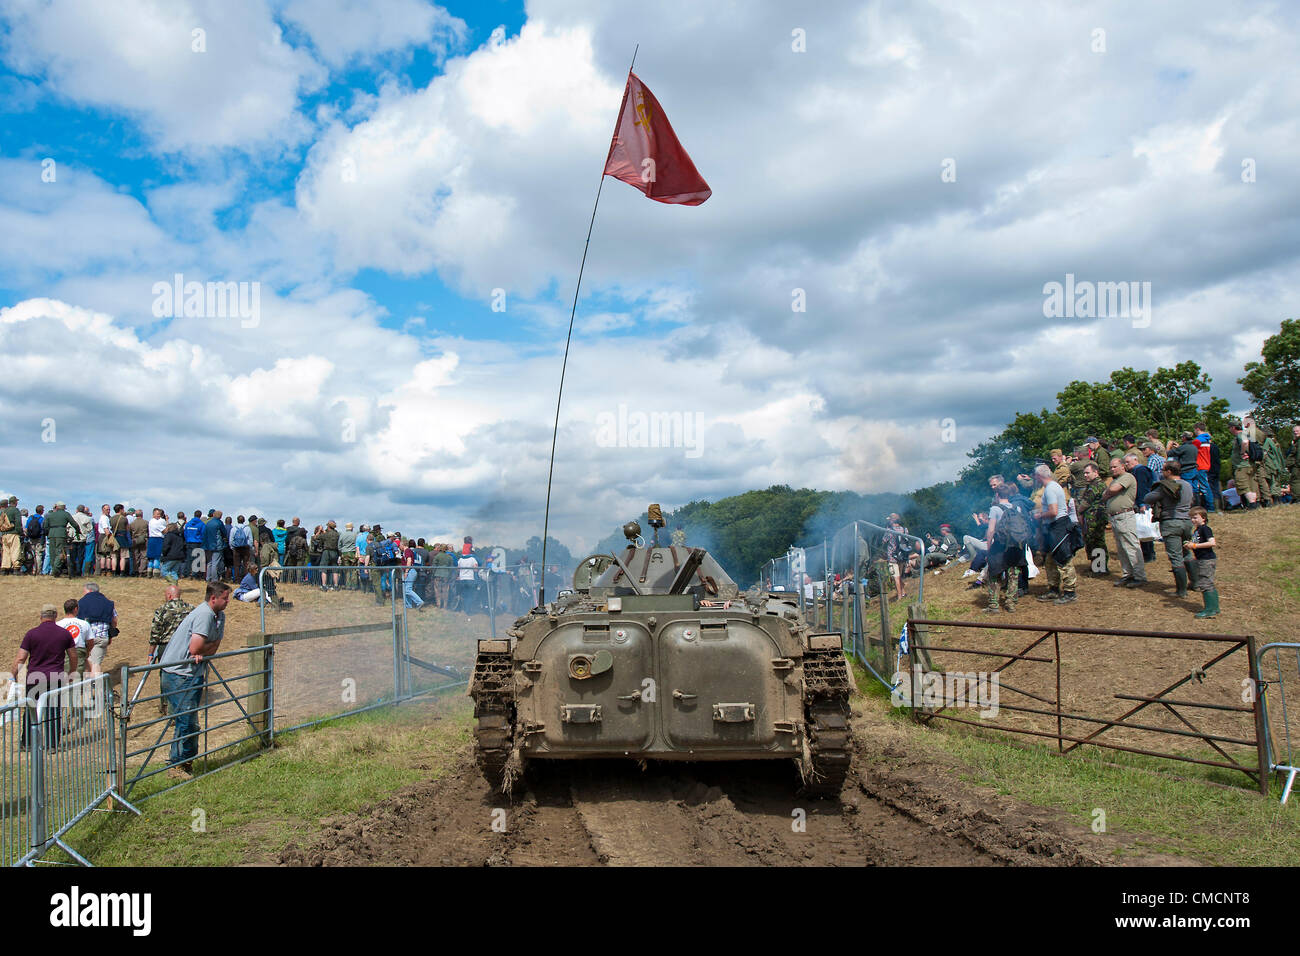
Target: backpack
pixel 34 527
pixel 5 524
pixel 1256 451
pixel 297 544
pixel 384 552
pixel 1013 527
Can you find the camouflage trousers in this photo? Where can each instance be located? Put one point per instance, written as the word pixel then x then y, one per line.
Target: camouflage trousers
pixel 1272 481
pixel 1094 539
pixel 1247 476
pixel 348 578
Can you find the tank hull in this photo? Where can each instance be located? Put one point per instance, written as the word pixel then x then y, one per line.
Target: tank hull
pixel 666 679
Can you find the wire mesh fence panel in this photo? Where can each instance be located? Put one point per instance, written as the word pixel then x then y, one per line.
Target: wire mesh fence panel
pixel 291 604
pixel 76 766
pixel 322 676
pixel 15 783
pixel 1279 674
pixel 442 645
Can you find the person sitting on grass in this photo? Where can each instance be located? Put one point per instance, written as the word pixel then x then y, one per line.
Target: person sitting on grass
pixel 1202 545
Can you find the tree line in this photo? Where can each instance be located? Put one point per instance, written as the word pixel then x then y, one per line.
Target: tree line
pixel 745 531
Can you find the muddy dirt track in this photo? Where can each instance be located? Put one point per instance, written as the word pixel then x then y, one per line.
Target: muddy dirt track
pixel 613 813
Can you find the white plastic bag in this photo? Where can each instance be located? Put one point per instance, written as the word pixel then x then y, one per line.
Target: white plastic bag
pixel 1029 561
pixel 1146 528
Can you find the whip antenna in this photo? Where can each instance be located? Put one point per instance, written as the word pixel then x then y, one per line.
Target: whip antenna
pixel 555 431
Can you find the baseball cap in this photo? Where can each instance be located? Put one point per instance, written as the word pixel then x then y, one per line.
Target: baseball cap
pixel 1090 439
pixel 49 609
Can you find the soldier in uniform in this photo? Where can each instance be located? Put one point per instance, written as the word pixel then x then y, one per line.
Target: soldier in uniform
pixel 58 523
pixel 1091 510
pixel 1274 467
pixel 166 618
pixel 1244 471
pixel 1292 460
pixel 266 550
pixel 11 539
pixel 1061 472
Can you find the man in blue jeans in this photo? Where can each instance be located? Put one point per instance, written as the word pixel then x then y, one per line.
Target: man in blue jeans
pixel 184 672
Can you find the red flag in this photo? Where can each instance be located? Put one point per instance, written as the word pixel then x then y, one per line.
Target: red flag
pixel 645 152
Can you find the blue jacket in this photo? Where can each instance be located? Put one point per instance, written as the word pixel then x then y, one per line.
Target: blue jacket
pixel 194 531
pixel 214 535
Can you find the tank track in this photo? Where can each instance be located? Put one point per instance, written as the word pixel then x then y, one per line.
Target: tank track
pixel 826 759
pixel 493 689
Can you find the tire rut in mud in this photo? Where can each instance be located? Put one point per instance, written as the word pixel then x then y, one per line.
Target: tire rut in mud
pixel 584 813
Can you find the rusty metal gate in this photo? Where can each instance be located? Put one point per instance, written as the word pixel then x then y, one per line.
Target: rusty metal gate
pixel 1220 685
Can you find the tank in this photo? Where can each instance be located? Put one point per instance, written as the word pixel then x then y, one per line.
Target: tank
pixel 655 654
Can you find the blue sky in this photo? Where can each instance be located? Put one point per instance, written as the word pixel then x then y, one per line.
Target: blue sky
pixel 37 122
pixel 384 173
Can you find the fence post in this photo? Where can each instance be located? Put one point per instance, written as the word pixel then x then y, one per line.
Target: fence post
pixel 918 635
pixel 124 719
pixel 1257 705
pixel 258 685
pixel 882 575
pixel 36 811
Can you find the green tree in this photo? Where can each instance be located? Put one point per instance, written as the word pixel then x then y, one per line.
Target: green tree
pixel 1274 383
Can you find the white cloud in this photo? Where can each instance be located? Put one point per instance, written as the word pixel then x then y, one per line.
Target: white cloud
pixel 346 30
pixel 140 57
pixel 924 297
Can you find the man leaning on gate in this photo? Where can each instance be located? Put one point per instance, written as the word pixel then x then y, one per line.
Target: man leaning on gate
pixel 185 670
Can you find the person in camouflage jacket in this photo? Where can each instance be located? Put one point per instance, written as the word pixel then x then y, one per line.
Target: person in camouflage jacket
pixel 166 618
pixel 1091 509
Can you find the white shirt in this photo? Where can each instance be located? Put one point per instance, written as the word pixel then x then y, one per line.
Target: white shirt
pixel 104 524
pixel 467 564
pixel 156 527
pixel 78 628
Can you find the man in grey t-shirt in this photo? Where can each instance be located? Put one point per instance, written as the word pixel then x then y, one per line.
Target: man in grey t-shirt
pixel 1173 496
pixel 1054 520
pixel 184 672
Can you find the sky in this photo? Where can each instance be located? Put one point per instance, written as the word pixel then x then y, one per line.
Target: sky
pixel 400 191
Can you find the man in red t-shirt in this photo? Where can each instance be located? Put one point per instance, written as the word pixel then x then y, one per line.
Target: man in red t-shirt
pixel 42 650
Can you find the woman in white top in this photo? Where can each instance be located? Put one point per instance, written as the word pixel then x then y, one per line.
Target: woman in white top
pixel 103 525
pixel 153 557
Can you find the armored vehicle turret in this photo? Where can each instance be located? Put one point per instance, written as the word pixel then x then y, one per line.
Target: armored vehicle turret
pixel 656 654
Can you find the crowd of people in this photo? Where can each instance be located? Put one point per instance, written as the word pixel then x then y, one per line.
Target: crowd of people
pixel 123 542
pixel 1143 492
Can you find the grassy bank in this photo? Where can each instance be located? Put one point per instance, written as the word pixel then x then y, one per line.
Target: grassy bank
pixel 248 813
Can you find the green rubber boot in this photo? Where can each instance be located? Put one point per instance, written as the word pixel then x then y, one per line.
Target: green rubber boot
pixel 1190 565
pixel 1211 604
pixel 1180 580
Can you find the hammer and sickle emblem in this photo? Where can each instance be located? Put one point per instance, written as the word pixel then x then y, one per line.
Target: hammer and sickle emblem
pixel 642 112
